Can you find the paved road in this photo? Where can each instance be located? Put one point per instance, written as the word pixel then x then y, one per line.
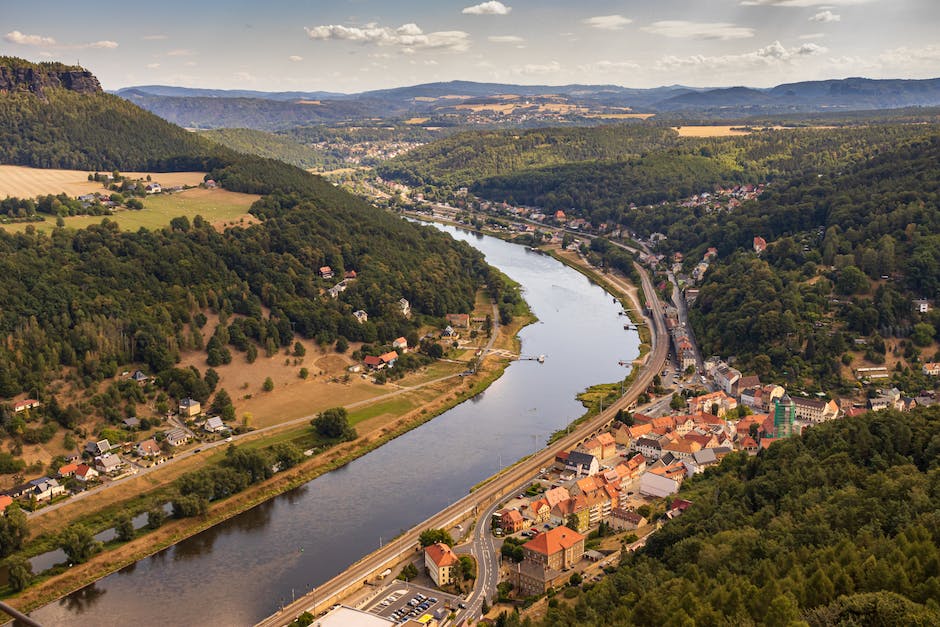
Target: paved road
pixel 331 591
pixel 483 549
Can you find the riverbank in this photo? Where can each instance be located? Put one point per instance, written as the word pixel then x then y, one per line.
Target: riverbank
pixel 381 432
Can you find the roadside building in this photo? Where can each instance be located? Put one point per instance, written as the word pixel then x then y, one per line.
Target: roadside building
pixel 545 559
pixel 626 520
pixel 441 562
pixel 190 407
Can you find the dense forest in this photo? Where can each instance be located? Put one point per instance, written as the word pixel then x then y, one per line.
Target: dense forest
pixel 271 146
pixel 837 527
pixel 80 304
pixel 870 235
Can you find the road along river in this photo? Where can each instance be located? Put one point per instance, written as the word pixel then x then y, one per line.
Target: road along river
pixel 244 569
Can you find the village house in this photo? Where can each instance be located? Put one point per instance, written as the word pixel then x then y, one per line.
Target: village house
pixel 5 501
pixel 214 425
pixel 400 344
pixel 922 305
pixel 718 401
pixel 511 521
pixel 148 448
pixel 153 188
pixel 349 275
pixel 177 437
pixel 404 307
pixel 360 316
pixel 626 520
pixel 574 507
pixel 663 481
pixel 726 377
pixel 815 410
pixel 583 464
pixel 98 448
pixel 190 407
pixel 545 558
pixel 651 446
pixel 67 470
pixel 760 244
pixel 326 272
pixel 373 362
pixel 108 463
pixel 682 448
pixel 29 403
pixel 745 382
pixel 932 369
pixel 45 489
pixel 539 511
pixel 440 561
pixel 84 472
pixel 139 377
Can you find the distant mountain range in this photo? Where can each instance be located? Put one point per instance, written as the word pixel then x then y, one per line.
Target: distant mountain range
pixel 213 108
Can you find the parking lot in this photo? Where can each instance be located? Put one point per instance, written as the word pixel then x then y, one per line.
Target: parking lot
pixel 401 601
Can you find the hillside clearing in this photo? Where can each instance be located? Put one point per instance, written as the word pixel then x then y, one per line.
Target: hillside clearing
pixel 25 182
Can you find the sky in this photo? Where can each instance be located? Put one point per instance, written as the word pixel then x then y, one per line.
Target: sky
pixel 357 45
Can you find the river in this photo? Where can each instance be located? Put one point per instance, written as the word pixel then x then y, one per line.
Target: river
pixel 242 570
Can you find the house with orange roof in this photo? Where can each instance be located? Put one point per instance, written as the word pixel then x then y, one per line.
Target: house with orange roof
pixel 586 485
pixel 749 445
pixel 441 563
pixel 546 557
pixel 84 472
pixel 683 424
pixel 608 445
pixel 326 272
pixel 556 496
pixel 627 436
pixel 668 423
pixel 5 502
pixel 540 511
pixel 576 505
pixel 511 521
pixel 400 343
pixel 663 481
pixel 720 401
pixel 29 403
pixel 704 440
pixel 67 470
pixel 682 448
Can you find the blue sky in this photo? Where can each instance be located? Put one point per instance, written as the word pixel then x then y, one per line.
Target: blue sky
pixel 355 45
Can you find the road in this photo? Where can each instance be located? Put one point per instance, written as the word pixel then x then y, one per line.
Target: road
pixel 250 435
pixel 332 591
pixel 483 549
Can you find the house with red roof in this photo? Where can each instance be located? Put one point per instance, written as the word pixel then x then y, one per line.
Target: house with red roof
pixel 441 562
pixel 545 559
pixel 511 521
pixel 29 403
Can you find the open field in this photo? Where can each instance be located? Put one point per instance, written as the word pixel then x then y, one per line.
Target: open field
pixel 220 207
pixel 23 182
pixel 620 116
pixel 710 131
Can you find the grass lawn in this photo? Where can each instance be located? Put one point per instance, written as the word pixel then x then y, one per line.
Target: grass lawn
pixel 395 406
pixel 215 205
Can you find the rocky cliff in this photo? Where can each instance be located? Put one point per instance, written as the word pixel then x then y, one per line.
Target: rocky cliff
pixel 18 75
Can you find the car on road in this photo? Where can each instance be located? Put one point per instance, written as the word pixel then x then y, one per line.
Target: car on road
pixel 462 605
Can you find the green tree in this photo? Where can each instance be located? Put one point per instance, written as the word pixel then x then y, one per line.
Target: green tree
pixel 286 455
pixel 408 573
pixel 13 530
pixel 333 423
pixel 923 334
pixel 432 536
pixel 783 611
pixel 19 572
pixel 268 384
pixel 677 402
pixel 155 517
pixel 299 350
pixel 222 405
pixel 78 543
pixel 124 527
pixel 304 373
pixel 342 344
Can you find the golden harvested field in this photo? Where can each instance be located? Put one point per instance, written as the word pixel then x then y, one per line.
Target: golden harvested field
pixel 710 131
pixel 23 182
pixel 416 120
pixel 220 207
pixel 620 116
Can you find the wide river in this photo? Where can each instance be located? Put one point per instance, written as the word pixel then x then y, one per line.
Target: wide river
pixel 242 570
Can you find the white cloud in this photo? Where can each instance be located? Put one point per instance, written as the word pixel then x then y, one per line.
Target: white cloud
pixel 506 39
pixel 153 66
pixel 179 52
pixel 105 43
pixel 16 37
pixel 607 67
pixel 774 54
pixel 295 58
pixel 905 55
pixel 243 76
pixel 607 22
pixel 826 17
pixel 802 3
pixel 408 37
pixel 154 37
pixel 812 36
pixel 699 30
pixel 493 7
pixel 537 69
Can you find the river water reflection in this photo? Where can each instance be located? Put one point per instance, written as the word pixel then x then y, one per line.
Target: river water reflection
pixel 243 569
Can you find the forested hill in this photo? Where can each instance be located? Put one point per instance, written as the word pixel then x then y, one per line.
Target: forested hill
pixel 80 304
pixel 838 527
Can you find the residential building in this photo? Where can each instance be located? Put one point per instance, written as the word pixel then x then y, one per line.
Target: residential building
pixel 373 362
pixel 441 563
pixel 540 511
pixel 177 437
pixel 190 407
pixel 67 470
pixel 389 358
pixel 577 507
pixel 718 401
pixel 626 520
pixel 326 272
pixel 581 463
pixel 545 559
pixel 98 448
pixel 5 502
pixel 108 463
pixel 84 472
pixel 400 344
pixel 682 448
pixel 815 410
pixel 932 369
pixel 591 447
pixel 404 307
pixel 608 445
pixel 29 403
pixel 214 425
pixel 760 244
pixel 511 521
pixel 461 321
pixel 922 305
pixel 148 448
pixel 44 489
pixel 650 447
pixel 726 377
pixel 360 316
pixel 745 382
pixel 660 482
